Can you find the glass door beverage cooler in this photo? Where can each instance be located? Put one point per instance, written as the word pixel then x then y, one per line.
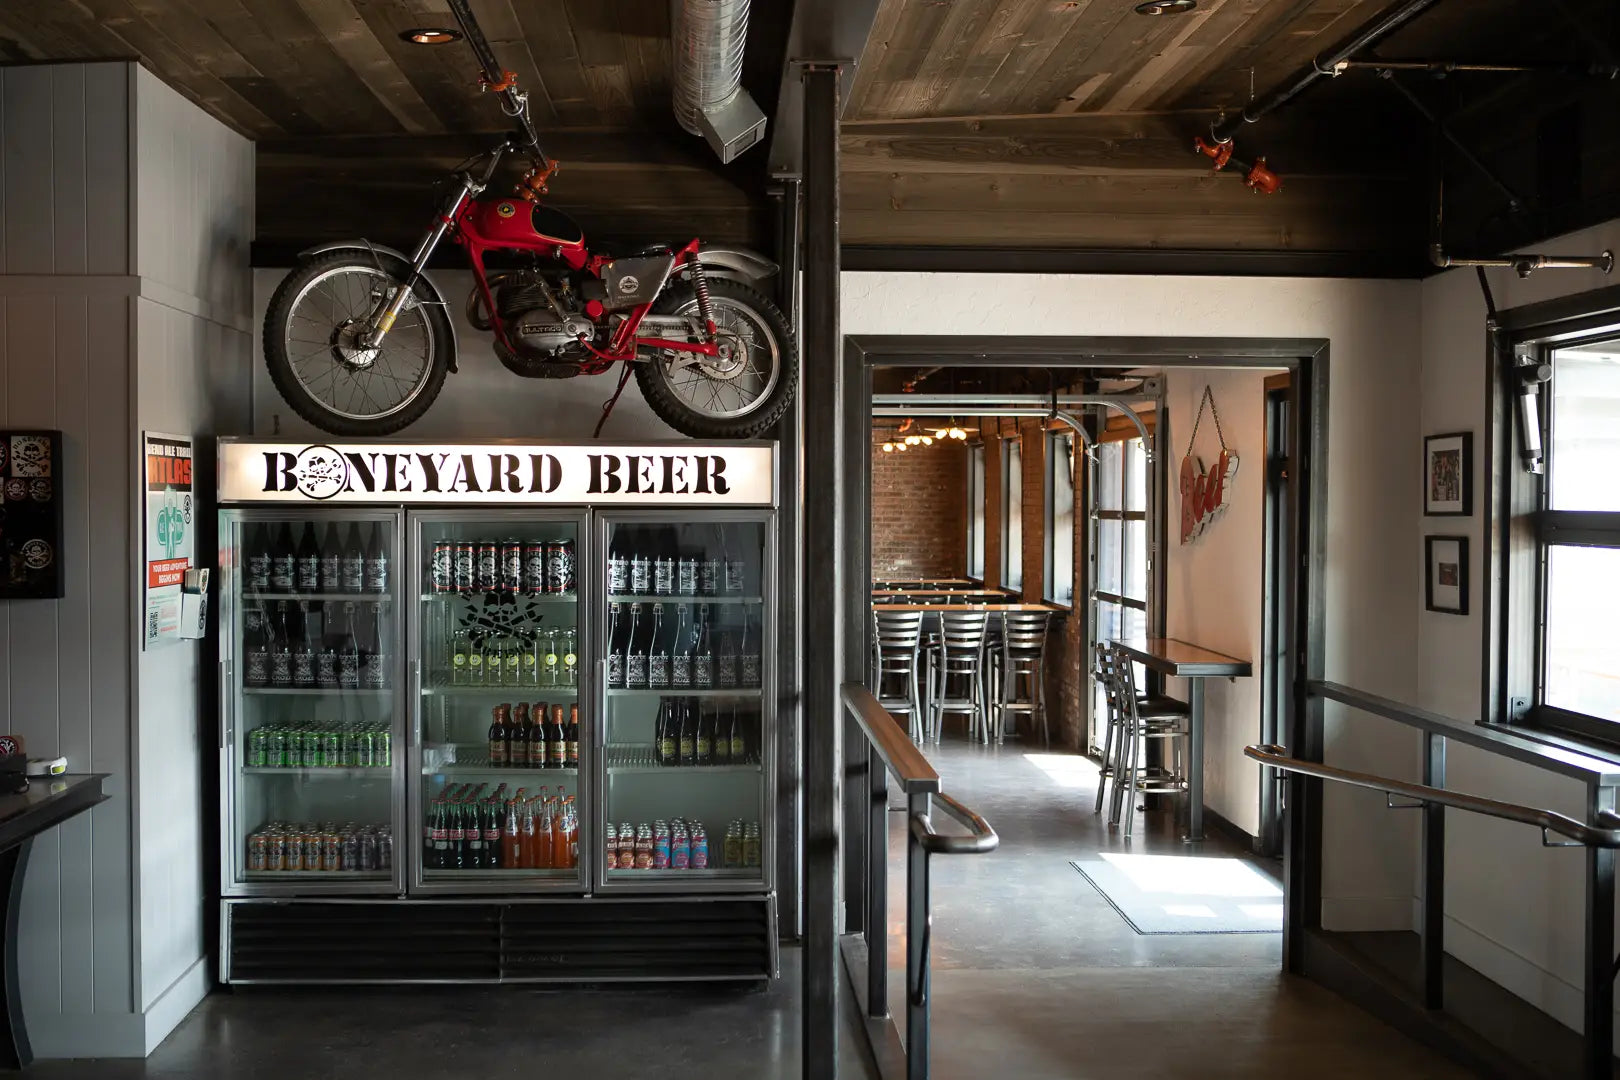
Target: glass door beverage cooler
pixel 495 712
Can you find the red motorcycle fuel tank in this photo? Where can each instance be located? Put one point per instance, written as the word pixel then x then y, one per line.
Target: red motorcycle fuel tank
pixel 515 223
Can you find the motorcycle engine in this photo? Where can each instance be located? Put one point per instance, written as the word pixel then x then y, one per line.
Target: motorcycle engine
pixel 543 321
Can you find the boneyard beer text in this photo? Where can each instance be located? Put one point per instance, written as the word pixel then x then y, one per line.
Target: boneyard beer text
pixel 321 472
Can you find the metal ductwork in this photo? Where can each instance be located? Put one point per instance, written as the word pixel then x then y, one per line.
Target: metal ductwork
pixel 708 38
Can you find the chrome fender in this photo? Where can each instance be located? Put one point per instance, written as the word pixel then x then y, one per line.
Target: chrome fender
pixel 434 296
pixel 739 264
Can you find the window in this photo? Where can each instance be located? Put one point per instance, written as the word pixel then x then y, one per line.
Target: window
pixel 975 515
pixel 1121 587
pixel 1060 517
pixel 1012 513
pixel 1578 655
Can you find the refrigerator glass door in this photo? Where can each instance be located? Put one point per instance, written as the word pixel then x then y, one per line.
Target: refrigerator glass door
pixel 311 733
pixel 685 677
pixel 496 759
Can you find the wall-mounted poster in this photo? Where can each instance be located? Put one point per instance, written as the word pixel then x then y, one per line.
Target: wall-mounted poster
pixel 30 515
pixel 170 533
pixel 1448 475
pixel 1446 574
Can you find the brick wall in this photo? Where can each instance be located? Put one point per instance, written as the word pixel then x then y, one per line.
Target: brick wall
pixel 919 510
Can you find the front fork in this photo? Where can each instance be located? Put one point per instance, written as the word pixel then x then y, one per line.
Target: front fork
pixel 384 321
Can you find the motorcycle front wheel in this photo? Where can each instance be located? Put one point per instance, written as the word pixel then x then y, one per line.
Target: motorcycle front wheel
pixel 320 362
pixel 738 395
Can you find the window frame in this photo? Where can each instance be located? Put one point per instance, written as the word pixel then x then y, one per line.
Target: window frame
pixel 976 512
pixel 1521 529
pixel 1012 554
pixel 1056 453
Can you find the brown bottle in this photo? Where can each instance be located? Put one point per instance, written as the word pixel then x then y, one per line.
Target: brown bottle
pixel 558 737
pixel 573 735
pixel 498 737
pixel 538 737
pixel 517 737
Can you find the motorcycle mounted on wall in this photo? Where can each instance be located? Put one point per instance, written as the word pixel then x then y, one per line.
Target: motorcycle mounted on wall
pixel 358 339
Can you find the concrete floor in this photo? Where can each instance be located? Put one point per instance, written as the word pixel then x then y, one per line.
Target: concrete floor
pixel 1036 976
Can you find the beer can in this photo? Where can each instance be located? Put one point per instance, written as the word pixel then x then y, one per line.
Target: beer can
pixel 511 566
pixel 258 852
pixel 700 847
pixel 661 846
pixel 331 852
pixel 560 566
pixel 627 846
pixel 464 558
pixel 680 847
pixel 369 859
pixel 441 571
pixel 487 567
pixel 275 851
pixel 385 850
pixel 350 859
pixel 644 848
pixel 295 852
pixel 612 845
pixel 534 567
pixel 382 754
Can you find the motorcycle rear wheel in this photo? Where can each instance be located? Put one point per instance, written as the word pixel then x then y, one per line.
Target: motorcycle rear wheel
pixel 737 399
pixel 321 369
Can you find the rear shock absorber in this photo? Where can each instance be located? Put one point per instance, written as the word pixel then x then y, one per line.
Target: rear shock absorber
pixel 700 284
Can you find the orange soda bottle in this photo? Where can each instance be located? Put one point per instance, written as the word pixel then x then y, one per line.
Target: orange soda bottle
pixel 559 837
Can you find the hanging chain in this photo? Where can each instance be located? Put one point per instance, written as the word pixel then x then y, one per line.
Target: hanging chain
pixel 1209 399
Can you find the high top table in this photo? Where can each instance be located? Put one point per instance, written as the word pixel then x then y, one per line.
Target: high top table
pixel 1182 660
pixel 49 801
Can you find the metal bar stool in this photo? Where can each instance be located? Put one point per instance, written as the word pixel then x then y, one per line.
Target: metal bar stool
pixel 959 655
pixel 897 640
pixel 1020 654
pixel 1104 674
pixel 1140 721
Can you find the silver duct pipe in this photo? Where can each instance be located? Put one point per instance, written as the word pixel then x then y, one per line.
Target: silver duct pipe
pixel 708 38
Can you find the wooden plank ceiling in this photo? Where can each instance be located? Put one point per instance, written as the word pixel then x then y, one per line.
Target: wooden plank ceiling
pixel 1039 124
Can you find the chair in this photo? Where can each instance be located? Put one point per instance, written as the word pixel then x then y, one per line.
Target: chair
pixel 958 654
pixel 1104 674
pixel 1141 719
pixel 1021 654
pixel 896 640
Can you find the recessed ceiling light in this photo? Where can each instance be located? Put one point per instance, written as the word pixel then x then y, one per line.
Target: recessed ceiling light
pixel 430 35
pixel 1165 7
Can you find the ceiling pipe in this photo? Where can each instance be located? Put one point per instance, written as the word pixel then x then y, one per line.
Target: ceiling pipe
pixel 1323 66
pixel 708 38
pixel 1524 263
pixel 1004 405
pixel 1441 68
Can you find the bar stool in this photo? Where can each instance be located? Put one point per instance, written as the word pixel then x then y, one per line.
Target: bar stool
pixel 1021 654
pixel 1141 720
pixel 959 654
pixel 897 641
pixel 1104 674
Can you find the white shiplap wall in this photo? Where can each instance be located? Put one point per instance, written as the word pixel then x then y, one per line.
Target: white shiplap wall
pixel 112 950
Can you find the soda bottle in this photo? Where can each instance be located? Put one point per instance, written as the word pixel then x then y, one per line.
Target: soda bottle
pixel 557 739
pixel 494 664
pixel 456 849
pixel 559 833
pixel 573 735
pixel 475 662
pixel 498 738
pixel 434 836
pixel 307 564
pixel 518 734
pixel 549 673
pixel 512 660
pixel 460 654
pixel 537 831
pixel 512 840
pixel 534 646
pixel 473 828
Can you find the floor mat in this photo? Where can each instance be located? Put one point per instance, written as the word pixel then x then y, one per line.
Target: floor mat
pixel 1186 894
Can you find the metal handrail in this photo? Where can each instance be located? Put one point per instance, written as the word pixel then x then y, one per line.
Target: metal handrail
pixel 900 755
pixel 1547 821
pixel 981 839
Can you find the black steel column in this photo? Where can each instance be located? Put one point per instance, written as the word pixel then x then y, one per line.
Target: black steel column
pixel 1432 934
pixel 1599 1026
pixel 821 394
pixel 919 931
pixel 856 509
pixel 877 884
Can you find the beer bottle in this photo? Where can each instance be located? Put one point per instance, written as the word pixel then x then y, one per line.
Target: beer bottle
pixel 573 735
pixel 703 652
pixel 721 735
pixel 664 563
pixel 374 661
pixel 739 741
pixel 377 561
pixel 498 738
pixel 658 652
pixel 517 737
pixel 303 648
pixel 705 737
pixel 615 657
pixel 668 737
pixel 326 659
pixel 558 739
pixel 641 563
pixel 734 567
pixel 725 666
pixel 256 546
pixel 538 751
pixel 709 567
pixel 255 648
pixel 686 571
pixel 331 576
pixel 349 652
pixel 688 736
pixel 283 561
pixel 635 660
pixel 307 565
pixel 749 661
pixel 619 562
pixel 680 661
pixel 353 564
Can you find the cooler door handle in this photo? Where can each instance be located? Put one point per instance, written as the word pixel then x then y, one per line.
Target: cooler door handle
pixel 416 702
pixel 601 703
pixel 224 704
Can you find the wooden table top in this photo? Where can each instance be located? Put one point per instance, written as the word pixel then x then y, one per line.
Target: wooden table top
pixel 1183 659
pixel 903 584
pixel 968 607
pixel 884 594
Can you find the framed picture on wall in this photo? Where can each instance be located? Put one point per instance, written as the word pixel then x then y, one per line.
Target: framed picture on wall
pixel 1445 561
pixel 1448 475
